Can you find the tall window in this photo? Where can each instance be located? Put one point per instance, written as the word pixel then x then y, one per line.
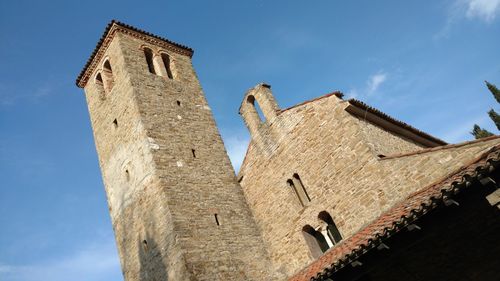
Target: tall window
pixel 315 241
pixel 100 86
pixel 148 53
pixel 166 62
pixel 256 108
pixel 332 231
pixel 109 80
pixel 300 191
pixel 98 79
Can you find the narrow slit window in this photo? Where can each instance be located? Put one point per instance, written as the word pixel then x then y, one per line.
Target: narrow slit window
pixel 193 152
pixel 145 245
pixel 148 53
pixel 167 63
pixel 296 192
pixel 115 123
pixel 300 191
pixel 178 103
pixel 217 219
pixel 301 188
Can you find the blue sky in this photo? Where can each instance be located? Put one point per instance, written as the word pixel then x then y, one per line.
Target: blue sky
pixel 423 62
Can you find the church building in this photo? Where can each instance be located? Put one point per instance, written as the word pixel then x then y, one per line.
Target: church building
pixel 330 189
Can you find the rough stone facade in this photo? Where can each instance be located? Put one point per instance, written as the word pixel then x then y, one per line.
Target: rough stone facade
pixel 177 209
pixel 351 168
pixel 315 175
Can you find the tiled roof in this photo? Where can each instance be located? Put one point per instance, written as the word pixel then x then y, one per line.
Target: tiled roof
pixel 432 149
pixel 188 51
pixel 399 217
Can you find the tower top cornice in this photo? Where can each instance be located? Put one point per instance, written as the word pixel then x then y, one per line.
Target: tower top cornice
pixel 111 30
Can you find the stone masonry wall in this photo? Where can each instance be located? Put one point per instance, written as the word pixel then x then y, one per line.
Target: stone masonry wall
pixel 177 209
pixel 336 159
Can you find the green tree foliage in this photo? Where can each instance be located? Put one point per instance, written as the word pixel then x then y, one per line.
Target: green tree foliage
pixel 479 132
pixel 495 117
pixel 494 90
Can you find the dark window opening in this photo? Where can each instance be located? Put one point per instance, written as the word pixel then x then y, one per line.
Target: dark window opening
pixel 300 191
pixel 107 66
pixel 98 78
pixel 115 123
pixel 315 241
pixel 331 229
pixel 145 245
pixel 193 152
pixel 251 100
pixel 166 62
pixel 109 80
pixel 179 103
pixel 149 59
pixel 216 219
pixel 381 156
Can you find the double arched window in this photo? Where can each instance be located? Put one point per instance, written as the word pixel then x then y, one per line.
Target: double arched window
pixel 158 64
pixel 104 78
pixel 295 183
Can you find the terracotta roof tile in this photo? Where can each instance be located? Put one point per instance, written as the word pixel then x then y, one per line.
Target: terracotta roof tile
pixel 398 217
pixel 426 150
pixel 399 123
pixel 188 51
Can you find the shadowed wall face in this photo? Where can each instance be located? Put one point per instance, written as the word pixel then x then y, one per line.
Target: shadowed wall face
pixel 178 211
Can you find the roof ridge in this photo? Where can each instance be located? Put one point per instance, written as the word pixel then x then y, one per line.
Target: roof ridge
pixel 387 117
pixel 442 147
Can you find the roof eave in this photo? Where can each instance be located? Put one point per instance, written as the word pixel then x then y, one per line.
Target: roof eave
pixel 105 40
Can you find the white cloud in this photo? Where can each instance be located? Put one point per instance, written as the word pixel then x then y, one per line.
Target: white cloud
pixel 375 81
pixel 236 149
pixel 372 84
pixel 98 262
pixel 485 10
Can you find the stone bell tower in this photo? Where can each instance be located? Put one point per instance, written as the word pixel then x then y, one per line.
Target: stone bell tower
pixel 177 209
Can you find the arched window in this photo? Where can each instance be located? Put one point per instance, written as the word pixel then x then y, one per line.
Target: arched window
pixel 315 241
pixel 148 53
pixel 331 229
pixel 167 63
pixel 296 184
pixel 109 80
pixel 256 108
pixel 98 79
pixel 100 86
